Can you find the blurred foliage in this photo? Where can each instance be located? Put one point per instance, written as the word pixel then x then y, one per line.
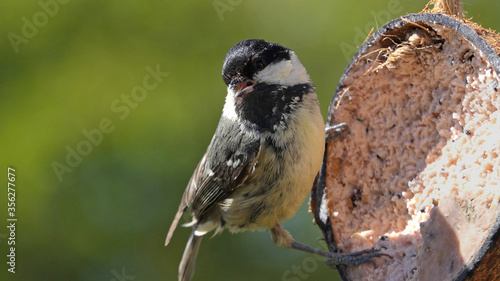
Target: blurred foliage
pixel 106 218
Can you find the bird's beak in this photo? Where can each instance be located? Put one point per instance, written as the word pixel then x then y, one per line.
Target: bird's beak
pixel 242 86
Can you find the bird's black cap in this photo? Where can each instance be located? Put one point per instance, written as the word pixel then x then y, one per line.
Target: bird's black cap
pixel 248 57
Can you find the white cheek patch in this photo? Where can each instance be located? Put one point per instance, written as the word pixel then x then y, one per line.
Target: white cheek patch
pixel 287 73
pixel 229 110
pixel 275 73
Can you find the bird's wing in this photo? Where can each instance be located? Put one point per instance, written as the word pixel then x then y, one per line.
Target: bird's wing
pixel 226 165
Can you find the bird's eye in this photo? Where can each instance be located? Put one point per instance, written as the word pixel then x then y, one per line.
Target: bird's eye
pixel 260 64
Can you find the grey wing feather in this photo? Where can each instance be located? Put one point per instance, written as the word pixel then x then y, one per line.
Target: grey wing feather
pixel 232 155
pixel 225 166
pixel 187 199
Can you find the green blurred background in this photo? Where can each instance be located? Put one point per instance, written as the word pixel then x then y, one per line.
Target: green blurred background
pixel 64 69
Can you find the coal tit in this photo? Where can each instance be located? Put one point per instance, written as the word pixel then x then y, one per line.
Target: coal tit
pixel 265 153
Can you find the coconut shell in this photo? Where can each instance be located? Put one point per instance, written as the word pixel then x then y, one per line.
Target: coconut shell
pixel 417 174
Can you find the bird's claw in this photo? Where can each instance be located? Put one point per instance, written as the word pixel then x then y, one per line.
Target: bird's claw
pixel 338 131
pixel 356 258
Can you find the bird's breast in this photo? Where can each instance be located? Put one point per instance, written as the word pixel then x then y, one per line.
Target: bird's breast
pixel 284 172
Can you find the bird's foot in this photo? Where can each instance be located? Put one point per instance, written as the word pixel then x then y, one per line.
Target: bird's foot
pixel 335 132
pixel 356 258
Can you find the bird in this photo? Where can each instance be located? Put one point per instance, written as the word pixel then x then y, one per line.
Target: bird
pixel 264 156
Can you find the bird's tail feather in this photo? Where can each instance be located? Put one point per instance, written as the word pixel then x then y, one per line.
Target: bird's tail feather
pixel 188 262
